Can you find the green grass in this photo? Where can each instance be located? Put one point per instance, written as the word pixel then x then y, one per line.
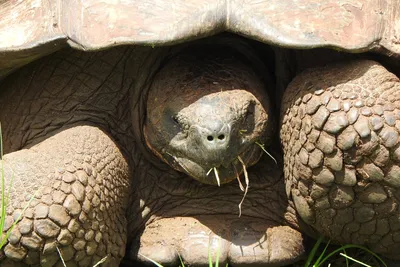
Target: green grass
pixel 318 257
pixel 182 264
pixel 324 257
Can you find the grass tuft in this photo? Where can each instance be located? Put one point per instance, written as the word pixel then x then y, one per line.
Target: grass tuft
pixel 339 251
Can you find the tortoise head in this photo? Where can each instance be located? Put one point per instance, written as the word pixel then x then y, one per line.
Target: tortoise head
pixel 207 113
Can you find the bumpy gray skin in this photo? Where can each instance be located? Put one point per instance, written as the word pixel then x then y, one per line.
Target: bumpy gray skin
pixel 69 124
pixel 340 136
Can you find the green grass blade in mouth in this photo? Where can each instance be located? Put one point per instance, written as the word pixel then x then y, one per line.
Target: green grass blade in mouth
pixel 266 152
pixel 217 176
pixel 246 178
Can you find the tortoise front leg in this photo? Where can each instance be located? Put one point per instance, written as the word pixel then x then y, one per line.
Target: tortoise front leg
pixel 340 134
pixel 80 181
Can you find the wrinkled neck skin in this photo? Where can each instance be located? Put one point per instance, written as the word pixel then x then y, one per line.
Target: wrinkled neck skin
pixel 207 114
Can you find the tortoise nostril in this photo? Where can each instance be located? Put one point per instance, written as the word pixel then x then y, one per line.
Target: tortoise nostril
pixel 221 137
pixel 210 138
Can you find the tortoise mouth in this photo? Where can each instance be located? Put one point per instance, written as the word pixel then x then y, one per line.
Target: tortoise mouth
pixel 221 172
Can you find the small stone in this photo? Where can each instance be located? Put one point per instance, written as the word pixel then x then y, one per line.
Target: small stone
pixel 334 161
pixel 87 168
pixel 326 143
pixel 373 193
pixel 380 157
pixel 378 110
pixel 65 237
pixel 14 237
pixel 73 226
pixel 89 236
pixel 79 256
pixel 302 186
pixel 32 242
pixel 32 258
pixel 82 177
pixel 393 176
pixel 91 248
pixel 326 96
pixel 65 187
pixel 47 200
pixel 72 205
pixel 382 226
pixel 318 191
pixel 15 253
pixel 59 197
pixel 370 102
pixel 80 233
pixel 98 237
pixel 315 159
pixel 336 122
pixel 367 228
pixel 46 228
pixel 337 93
pixel 58 214
pixel 319 118
pixel 389 118
pixel 396 154
pixel 361 126
pixel 359 104
pixel 324 177
pixel 341 196
pixel 50 259
pixel 313 105
pixel 346 177
pixel 8 222
pixel 67 253
pixel 366 111
pixel 376 123
pixel 86 206
pixel 389 136
pixel 78 191
pixel 370 171
pixel 347 138
pixel 79 244
pixel 302 207
pixel 333 105
pixel 49 247
pixel 25 226
pixel 303 155
pixel 344 216
pixel 352 115
pixel 68 177
pixel 95 201
pixel 306 98
pixel 388 107
pixel 306 125
pixel 368 145
pixel 364 214
pixel 322 203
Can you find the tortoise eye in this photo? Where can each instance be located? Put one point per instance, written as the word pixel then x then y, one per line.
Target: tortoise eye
pixel 175 119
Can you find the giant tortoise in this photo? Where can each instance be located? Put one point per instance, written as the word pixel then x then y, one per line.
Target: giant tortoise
pixel 151 129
